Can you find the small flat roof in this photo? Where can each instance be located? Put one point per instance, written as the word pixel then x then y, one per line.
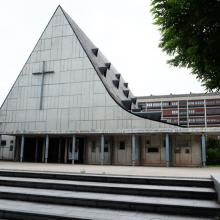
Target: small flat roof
pixel 180 95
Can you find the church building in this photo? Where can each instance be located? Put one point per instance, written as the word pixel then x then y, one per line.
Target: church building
pixel 69 104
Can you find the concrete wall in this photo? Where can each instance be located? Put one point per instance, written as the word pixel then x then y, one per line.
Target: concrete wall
pixel 155 141
pixel 74 99
pixel 7 147
pixel 182 155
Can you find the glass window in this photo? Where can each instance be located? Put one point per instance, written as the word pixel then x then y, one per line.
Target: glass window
pixel 191 111
pixel 174 112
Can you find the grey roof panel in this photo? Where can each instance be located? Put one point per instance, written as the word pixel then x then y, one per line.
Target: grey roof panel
pixel 121 94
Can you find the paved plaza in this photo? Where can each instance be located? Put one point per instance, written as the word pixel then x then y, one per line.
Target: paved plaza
pixel 117 170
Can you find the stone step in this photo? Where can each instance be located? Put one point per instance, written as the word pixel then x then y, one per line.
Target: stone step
pixel 113 188
pixel 167 181
pixel 10 209
pixel 113 201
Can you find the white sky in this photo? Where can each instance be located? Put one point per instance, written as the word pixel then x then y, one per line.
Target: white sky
pixel 122 29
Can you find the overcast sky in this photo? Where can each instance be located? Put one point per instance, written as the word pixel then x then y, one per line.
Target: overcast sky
pixel 122 29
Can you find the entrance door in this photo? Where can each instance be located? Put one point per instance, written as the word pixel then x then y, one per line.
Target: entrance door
pixel 183 151
pixel 29 150
pixel 33 149
pixel 152 149
pixel 107 151
pixel 56 150
pixel 79 151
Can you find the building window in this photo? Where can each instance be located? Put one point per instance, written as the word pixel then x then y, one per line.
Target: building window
pixel 191 111
pixel 12 142
pixel 175 112
pixel 3 143
pixel 156 104
pixel 93 146
pixel 174 103
pixel 122 145
pixel 152 149
pixel 11 148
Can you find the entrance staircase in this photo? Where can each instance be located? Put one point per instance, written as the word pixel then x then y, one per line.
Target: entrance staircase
pixel 40 195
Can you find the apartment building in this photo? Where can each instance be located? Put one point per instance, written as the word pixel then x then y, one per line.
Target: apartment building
pixel 189 110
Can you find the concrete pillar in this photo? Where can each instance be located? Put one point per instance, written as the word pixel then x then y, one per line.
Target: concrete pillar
pixel 66 150
pixel 111 150
pixel 17 147
pixel 0 145
pixel 46 149
pixel 36 150
pixel 43 151
pixel 59 151
pixel 73 148
pixel 22 148
pixel 203 145
pixel 167 146
pixel 102 149
pixel 133 149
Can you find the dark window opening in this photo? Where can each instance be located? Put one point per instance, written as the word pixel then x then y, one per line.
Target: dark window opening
pixel 3 143
pixel 106 149
pixel 187 151
pixel 152 149
pixel 122 145
pixel 147 141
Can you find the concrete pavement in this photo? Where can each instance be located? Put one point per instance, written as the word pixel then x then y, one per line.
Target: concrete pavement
pixel 117 170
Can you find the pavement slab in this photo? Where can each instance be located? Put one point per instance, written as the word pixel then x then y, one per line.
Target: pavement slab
pixel 85 212
pixel 111 197
pixel 120 185
pixel 191 172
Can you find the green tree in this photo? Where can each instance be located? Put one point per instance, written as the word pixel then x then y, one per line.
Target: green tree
pixel 190 34
pixel 213 151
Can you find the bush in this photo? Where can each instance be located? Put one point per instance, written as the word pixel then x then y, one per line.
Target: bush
pixel 213 152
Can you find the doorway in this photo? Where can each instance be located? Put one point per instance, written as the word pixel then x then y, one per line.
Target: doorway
pixel 79 151
pixel 56 150
pixel 33 149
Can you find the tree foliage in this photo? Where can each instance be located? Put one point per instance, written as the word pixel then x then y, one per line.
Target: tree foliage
pixel 190 34
pixel 213 151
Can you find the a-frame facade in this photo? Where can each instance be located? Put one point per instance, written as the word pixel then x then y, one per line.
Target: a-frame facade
pixel 70 98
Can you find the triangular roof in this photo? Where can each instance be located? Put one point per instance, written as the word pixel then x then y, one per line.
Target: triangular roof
pixel 106 71
pixel 57 45
pixel 111 78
